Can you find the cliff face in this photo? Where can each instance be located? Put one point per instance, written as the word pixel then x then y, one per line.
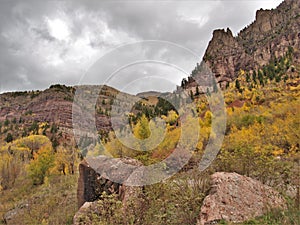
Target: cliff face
pixel 53 106
pixel 270 35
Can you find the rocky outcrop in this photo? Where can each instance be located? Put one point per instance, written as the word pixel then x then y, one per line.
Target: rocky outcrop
pixel 94 179
pixel 269 36
pixel 237 198
pixel 225 55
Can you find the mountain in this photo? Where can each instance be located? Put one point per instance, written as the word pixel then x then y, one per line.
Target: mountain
pixel 50 111
pixel 270 36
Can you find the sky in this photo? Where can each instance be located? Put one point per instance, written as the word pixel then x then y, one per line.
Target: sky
pixel 134 46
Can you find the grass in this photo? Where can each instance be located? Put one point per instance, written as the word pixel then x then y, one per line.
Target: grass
pixel 54 202
pixel 276 217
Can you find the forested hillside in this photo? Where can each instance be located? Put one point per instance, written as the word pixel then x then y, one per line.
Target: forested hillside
pixel 258 72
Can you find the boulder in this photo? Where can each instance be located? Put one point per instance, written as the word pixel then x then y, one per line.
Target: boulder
pixel 237 198
pixel 103 174
pixel 94 174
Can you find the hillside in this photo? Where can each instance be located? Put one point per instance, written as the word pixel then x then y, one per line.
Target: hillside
pixel 45 175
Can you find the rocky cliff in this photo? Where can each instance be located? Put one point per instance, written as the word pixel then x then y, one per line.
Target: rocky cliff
pixel 51 111
pixel 269 36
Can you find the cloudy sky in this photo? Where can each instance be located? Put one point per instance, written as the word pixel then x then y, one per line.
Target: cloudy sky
pixel 95 42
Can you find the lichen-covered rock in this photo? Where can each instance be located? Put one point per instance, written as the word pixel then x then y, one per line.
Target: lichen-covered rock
pixel 237 198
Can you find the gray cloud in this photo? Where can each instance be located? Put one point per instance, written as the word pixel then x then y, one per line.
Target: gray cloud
pixel 46 42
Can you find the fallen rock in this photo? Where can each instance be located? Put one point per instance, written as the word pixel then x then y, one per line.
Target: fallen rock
pixel 237 198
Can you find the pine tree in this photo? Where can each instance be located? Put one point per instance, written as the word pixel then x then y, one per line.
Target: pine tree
pixel 254 76
pixel 247 77
pixel 197 90
pixel 237 84
pixel 260 77
pixel 9 138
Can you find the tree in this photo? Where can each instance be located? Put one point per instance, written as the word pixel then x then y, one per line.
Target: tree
pixel 254 76
pixel 237 85
pixel 197 90
pixel 64 160
pixel 142 130
pixel 227 85
pixel 247 78
pixel 260 78
pixel 34 127
pixel 172 117
pixel 6 122
pixel 32 143
pixel 9 138
pixel 183 83
pixel 207 92
pixel 53 129
pixel 41 164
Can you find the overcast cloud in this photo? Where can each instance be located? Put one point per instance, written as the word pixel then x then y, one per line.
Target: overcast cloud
pixel 48 42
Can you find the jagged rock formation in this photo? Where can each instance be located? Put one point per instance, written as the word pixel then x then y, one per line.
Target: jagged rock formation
pixel 237 198
pixel 269 36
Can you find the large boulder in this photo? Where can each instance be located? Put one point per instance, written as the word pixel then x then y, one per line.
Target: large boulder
pixel 103 174
pixel 237 198
pixel 112 176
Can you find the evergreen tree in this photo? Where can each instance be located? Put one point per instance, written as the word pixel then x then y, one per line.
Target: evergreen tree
pixel 260 77
pixel 227 85
pixel 247 77
pixel 254 76
pixel 197 90
pixel 9 138
pixel 237 84
pixel 207 92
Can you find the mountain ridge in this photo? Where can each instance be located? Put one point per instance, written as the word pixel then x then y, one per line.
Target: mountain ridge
pixel 270 36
